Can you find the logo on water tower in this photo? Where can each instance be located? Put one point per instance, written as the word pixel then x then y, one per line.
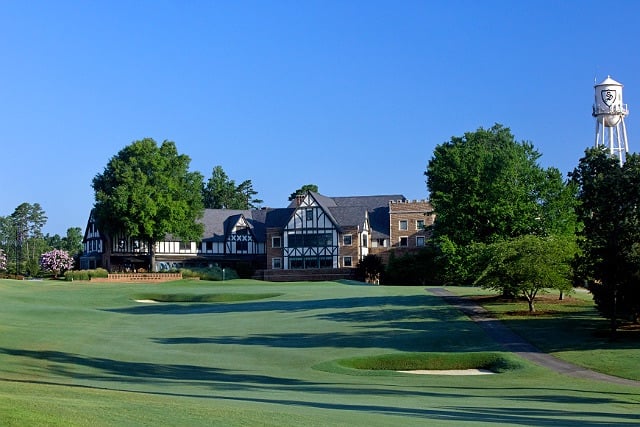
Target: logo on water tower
pixel 608 96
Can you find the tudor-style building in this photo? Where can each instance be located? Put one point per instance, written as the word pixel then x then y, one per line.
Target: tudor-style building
pixel 314 232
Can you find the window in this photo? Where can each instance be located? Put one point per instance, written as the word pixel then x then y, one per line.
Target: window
pixel 404 241
pixel 242 246
pixel 309 214
pixel 419 240
pixel 209 246
pixel 276 263
pixel 310 240
pixel 403 224
pixel 310 262
pixel 365 241
pixel 346 261
pixel 420 224
pixel 185 246
pixel 296 263
pixel 276 242
pixel 346 240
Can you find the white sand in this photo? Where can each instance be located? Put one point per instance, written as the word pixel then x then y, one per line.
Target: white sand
pixel 147 301
pixel 449 372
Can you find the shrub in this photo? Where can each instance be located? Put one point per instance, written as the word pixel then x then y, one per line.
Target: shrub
pixel 85 274
pixel 211 273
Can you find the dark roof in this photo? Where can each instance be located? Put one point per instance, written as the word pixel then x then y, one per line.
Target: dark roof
pixel 216 221
pixel 378 208
pixel 344 211
pixel 349 216
pixel 219 222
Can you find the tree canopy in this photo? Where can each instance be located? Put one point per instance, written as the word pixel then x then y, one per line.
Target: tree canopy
pixel 22 239
pixel 147 191
pixel 528 264
pixel 486 186
pixel 221 192
pixel 609 195
pixel 303 190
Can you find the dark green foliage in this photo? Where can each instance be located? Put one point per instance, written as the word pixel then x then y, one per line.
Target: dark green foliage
pixel 414 268
pixel 22 240
pixel 220 192
pixel 527 265
pixel 487 187
pixel 85 274
pixel 370 269
pixel 215 273
pixel 146 191
pixel 303 190
pixel 609 196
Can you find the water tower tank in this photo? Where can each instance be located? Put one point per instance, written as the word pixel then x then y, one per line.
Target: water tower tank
pixel 608 107
pixel 610 112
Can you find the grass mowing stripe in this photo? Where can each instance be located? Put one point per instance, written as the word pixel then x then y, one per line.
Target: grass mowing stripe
pixel 223 297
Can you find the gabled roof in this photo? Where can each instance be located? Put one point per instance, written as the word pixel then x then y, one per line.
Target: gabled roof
pixel 349 216
pixel 377 207
pixel 217 222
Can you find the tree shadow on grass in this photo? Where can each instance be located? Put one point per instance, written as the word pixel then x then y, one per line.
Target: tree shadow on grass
pixel 322 395
pixel 279 305
pixel 401 336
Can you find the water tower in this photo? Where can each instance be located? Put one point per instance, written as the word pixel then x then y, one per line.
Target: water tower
pixel 610 112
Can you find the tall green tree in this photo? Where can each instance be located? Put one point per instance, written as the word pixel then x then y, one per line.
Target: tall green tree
pixel 221 192
pixel 21 237
pixel 303 190
pixel 609 195
pixel 487 187
pixel 146 191
pixel 72 242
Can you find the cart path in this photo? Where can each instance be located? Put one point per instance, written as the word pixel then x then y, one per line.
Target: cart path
pixel 516 344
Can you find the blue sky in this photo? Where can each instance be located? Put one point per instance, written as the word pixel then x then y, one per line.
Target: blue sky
pixel 352 96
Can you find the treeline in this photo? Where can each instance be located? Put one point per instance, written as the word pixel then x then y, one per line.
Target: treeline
pixel 22 242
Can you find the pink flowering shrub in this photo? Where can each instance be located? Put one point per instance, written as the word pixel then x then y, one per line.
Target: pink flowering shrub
pixel 56 261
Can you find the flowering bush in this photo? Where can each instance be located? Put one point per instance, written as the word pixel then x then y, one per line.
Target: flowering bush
pixel 56 261
pixel 3 260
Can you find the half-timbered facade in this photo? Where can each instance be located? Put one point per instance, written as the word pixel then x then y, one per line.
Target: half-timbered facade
pixel 313 232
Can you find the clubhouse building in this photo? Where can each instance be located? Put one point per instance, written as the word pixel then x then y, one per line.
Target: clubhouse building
pixel 314 237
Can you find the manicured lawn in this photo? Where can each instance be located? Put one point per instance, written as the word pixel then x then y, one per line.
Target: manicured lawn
pixel 89 354
pixel 570 329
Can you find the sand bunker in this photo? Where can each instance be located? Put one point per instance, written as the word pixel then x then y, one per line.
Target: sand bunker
pixel 449 372
pixel 147 301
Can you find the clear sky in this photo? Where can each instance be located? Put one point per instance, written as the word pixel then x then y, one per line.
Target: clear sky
pixel 352 96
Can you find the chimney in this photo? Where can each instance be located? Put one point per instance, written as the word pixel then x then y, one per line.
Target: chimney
pixel 299 199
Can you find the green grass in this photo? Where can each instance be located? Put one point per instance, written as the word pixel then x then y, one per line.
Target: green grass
pixel 495 362
pixel 570 329
pixel 77 354
pixel 224 297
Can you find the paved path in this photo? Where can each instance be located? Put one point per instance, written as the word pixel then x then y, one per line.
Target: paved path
pixel 514 343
